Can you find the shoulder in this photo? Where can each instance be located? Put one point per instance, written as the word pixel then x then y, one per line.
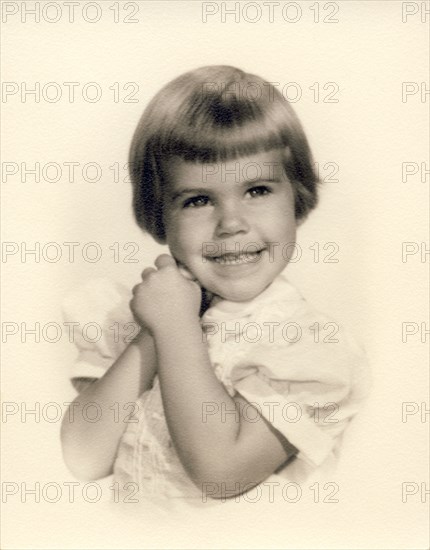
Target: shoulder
pixel 103 325
pixel 97 299
pixel 300 342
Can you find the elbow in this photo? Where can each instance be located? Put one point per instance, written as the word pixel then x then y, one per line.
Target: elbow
pixel 80 466
pixel 221 475
pixel 217 488
pixel 219 483
pixel 77 458
pixel 80 471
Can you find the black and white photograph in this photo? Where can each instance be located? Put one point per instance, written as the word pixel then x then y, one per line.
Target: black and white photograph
pixel 215 273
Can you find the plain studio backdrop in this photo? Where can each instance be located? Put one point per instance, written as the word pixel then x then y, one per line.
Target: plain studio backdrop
pixel 357 75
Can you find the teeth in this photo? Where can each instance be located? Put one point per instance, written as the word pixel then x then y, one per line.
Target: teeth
pixel 231 259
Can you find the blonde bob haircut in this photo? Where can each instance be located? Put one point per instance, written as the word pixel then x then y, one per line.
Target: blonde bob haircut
pixel 213 114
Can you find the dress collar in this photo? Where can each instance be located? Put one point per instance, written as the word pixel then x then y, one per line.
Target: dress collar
pixel 280 290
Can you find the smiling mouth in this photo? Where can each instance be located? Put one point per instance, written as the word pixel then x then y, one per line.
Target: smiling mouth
pixel 231 258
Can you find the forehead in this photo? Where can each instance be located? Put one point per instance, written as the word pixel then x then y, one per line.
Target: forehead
pixel 266 165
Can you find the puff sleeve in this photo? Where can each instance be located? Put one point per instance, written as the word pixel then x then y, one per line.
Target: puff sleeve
pixel 102 326
pixel 307 386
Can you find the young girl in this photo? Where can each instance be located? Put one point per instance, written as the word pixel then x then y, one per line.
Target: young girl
pixel 226 383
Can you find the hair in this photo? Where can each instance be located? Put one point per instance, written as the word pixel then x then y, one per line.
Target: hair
pixel 214 114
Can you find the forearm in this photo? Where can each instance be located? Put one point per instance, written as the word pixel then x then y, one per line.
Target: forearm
pixel 89 448
pixel 189 387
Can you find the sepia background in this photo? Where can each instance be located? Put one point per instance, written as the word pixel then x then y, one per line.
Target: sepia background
pixel 357 73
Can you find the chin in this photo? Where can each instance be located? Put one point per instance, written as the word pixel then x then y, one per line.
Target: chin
pixel 239 295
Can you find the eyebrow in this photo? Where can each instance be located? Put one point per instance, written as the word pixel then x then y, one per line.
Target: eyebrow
pixel 206 191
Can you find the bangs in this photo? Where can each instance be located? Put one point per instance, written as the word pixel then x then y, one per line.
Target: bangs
pixel 226 135
pixel 217 119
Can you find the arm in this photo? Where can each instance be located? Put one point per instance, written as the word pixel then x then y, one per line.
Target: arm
pixel 223 449
pixel 89 448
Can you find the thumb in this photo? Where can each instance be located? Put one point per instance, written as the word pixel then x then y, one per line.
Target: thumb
pixel 206 294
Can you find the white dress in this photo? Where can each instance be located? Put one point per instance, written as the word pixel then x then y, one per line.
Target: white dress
pixel 301 371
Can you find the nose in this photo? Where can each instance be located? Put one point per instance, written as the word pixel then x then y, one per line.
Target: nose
pixel 231 220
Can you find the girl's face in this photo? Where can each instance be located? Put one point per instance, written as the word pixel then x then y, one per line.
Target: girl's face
pixel 232 224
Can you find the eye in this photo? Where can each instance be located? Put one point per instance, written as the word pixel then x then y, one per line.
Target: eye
pixel 196 202
pixel 259 191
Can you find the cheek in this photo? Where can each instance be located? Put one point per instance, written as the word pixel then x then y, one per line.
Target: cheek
pixel 292 232
pixel 183 239
pixel 284 222
pixel 173 238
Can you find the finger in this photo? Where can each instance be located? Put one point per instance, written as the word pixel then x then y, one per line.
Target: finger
pixel 147 271
pixel 164 260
